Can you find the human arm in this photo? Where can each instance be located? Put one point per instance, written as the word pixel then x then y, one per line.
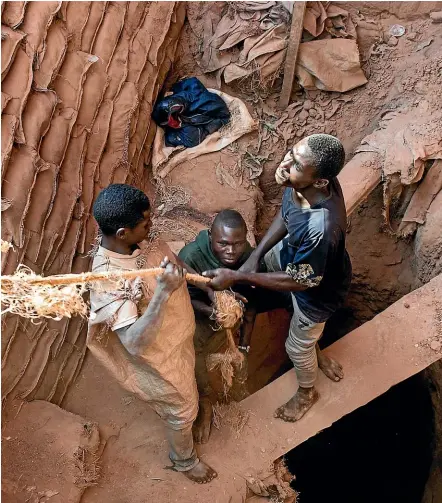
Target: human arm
pixel 138 336
pixel 274 234
pixel 304 270
pixel 201 303
pixel 223 279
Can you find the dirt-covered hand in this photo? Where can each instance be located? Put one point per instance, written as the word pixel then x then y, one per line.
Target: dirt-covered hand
pixel 240 297
pixel 137 289
pixel 172 278
pixel 221 279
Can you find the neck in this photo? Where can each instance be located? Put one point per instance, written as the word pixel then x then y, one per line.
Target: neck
pixel 310 196
pixel 115 245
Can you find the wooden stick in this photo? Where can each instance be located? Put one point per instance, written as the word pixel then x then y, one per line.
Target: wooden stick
pixel 91 277
pixel 292 53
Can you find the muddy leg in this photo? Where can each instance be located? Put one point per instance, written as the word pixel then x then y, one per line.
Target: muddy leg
pixel 201 473
pixel 184 456
pixel 301 347
pixel 298 405
pixel 203 423
pixel 239 390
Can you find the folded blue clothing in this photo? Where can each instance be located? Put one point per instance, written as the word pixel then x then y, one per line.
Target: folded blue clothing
pixel 190 114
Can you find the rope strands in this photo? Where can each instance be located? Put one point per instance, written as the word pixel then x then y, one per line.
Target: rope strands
pixel 32 296
pixel 29 295
pixel 228 313
pixel 4 246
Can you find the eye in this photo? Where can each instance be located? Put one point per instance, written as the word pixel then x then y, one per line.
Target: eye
pixel 297 166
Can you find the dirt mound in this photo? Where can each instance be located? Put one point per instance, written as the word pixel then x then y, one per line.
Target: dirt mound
pixel 48 455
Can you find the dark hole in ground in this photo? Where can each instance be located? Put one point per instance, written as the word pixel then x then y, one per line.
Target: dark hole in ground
pixel 381 452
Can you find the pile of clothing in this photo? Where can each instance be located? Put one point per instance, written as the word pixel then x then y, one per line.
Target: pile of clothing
pixel 252 37
pixel 190 113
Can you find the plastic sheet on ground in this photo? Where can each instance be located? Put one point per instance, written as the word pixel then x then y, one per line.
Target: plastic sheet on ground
pixel 262 27
pixel 421 200
pixel 331 63
pixel 257 54
pixel 327 19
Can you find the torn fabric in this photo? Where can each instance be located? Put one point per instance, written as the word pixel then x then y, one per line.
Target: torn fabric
pixel 416 213
pixel 405 140
pixel 257 53
pixel 330 65
pixel 262 28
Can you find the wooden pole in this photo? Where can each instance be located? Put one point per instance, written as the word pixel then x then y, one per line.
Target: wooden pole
pixel 292 53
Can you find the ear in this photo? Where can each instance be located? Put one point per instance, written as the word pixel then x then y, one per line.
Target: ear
pixel 321 183
pixel 121 234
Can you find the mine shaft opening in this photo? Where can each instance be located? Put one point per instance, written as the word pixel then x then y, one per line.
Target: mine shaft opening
pixel 381 452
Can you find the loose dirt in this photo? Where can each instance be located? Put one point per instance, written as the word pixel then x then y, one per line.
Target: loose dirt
pixel 131 437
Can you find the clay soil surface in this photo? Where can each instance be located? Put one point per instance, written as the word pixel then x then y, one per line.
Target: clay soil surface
pixel 134 455
pixel 133 451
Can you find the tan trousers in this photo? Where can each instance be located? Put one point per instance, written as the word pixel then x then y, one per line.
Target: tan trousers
pixel 182 451
pixel 303 334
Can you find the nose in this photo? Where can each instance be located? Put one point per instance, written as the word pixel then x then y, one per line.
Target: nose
pixel 229 250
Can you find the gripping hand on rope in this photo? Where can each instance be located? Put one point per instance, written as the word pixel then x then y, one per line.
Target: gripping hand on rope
pixel 172 278
pixel 138 336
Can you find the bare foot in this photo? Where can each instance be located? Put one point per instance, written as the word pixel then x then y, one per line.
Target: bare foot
pixel 331 368
pixel 201 473
pixel 298 405
pixel 203 423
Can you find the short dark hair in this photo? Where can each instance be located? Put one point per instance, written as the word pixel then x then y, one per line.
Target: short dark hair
pixel 231 219
pixel 328 155
pixel 119 206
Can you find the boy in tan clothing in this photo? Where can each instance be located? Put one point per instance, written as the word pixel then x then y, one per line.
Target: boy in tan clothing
pixel 143 332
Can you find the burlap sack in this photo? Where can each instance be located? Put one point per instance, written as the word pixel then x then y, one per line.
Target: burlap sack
pixel 164 375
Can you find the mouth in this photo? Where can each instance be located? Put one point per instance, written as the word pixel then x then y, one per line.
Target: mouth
pixel 281 176
pixel 229 260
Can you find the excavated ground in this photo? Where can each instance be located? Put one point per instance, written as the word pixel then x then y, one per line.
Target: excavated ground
pixel 385 268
